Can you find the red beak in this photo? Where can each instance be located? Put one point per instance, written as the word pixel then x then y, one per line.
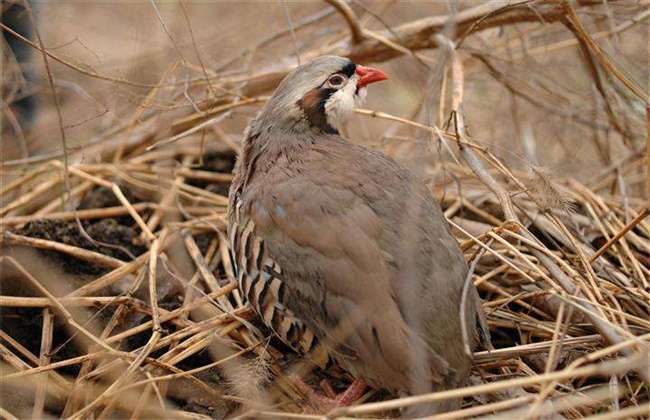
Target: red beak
pixel 369 75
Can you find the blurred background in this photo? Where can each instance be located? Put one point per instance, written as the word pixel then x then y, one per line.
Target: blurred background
pixel 151 99
pixel 532 94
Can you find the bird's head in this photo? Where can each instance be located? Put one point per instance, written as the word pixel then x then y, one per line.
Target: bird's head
pixel 319 95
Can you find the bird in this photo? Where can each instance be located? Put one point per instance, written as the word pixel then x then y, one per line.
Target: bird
pixel 335 244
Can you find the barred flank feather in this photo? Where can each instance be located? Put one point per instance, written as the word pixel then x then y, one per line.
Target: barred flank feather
pixel 259 282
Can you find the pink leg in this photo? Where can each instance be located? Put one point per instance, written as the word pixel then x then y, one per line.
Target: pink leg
pixel 330 401
pixel 353 393
pixel 327 388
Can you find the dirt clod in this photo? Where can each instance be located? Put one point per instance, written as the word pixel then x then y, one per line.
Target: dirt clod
pixel 108 231
pixel 222 161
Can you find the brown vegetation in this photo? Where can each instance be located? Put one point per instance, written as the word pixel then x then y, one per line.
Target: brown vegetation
pixel 117 291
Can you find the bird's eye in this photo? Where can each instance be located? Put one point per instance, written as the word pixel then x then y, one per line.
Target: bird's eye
pixel 336 80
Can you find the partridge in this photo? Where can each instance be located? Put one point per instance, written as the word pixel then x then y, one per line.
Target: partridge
pixel 337 244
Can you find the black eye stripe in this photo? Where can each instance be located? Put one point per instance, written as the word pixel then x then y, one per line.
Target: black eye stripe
pixel 349 69
pixel 314 101
pixel 313 105
pixel 326 84
pixel 325 94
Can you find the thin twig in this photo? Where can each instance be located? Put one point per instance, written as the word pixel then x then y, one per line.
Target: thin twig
pixel 642 215
pixel 356 33
pixel 57 105
pixel 636 362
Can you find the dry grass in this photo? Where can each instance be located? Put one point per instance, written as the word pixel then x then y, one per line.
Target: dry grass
pixel 145 320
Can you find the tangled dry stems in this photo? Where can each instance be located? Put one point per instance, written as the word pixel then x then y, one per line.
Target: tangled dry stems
pixel 522 294
pixel 562 266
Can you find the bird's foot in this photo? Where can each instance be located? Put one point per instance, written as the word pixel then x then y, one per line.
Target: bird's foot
pixel 331 400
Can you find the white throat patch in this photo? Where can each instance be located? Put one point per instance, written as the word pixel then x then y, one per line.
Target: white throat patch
pixel 340 106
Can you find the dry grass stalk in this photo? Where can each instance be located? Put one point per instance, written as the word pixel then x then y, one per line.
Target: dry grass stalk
pixel 568 310
pixel 80 253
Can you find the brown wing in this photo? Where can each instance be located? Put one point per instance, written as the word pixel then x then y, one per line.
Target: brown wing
pixel 365 251
pixel 339 281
